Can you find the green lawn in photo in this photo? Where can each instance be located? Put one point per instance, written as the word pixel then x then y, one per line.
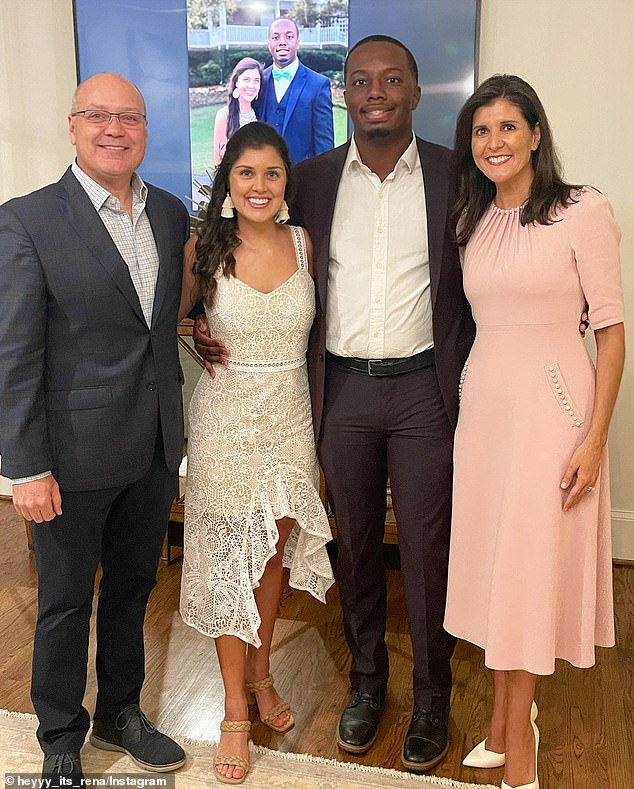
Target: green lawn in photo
pixel 340 116
pixel 201 120
pixel 202 134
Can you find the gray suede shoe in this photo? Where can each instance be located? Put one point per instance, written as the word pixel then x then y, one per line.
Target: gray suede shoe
pixel 132 733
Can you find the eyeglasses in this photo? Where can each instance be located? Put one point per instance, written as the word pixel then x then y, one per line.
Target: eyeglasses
pixel 102 118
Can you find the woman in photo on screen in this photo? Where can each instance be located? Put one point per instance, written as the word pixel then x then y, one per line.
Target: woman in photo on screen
pixel 243 89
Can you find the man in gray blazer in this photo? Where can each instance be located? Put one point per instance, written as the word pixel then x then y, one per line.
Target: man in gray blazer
pixel 91 417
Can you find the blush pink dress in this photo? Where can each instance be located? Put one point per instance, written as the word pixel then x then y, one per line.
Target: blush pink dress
pixel 529 582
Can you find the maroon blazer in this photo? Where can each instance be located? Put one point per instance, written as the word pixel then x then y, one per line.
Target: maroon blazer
pixel 316 182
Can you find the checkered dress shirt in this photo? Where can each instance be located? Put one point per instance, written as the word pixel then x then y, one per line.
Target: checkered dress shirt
pixel 133 237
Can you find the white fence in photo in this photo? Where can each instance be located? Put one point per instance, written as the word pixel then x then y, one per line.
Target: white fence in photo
pixel 236 36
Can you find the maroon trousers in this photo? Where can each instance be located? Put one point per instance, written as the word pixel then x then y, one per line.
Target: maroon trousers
pixel 373 428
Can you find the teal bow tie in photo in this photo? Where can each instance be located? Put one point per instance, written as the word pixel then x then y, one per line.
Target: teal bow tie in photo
pixel 279 74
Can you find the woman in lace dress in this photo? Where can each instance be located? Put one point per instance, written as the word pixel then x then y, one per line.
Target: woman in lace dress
pixel 243 89
pixel 252 501
pixel 530 561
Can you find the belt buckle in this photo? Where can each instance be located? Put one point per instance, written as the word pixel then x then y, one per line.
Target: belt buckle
pixel 370 363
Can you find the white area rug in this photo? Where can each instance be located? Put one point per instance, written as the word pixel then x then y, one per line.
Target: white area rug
pixel 20 753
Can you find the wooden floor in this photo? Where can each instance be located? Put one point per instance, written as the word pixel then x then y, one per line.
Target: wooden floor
pixel 586 717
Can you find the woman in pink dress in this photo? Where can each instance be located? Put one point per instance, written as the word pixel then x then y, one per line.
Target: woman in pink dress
pixel 530 564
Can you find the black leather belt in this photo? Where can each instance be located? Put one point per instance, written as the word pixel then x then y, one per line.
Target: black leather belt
pixel 381 368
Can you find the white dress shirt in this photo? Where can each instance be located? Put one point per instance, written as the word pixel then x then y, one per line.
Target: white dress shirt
pixel 282 85
pixel 379 296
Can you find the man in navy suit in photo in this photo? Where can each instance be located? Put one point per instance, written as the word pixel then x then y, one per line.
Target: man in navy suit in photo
pixel 294 99
pixel 91 424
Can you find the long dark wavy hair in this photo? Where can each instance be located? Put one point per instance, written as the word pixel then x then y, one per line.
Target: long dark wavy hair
pixel 217 236
pixel 233 105
pixel 476 191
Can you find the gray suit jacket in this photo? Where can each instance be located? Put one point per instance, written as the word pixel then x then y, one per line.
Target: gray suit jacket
pixel 83 380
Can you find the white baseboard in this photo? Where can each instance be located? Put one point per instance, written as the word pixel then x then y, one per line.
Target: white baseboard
pixel 623 534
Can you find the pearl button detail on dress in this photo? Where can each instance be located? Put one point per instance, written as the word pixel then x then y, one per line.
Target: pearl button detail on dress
pixel 569 410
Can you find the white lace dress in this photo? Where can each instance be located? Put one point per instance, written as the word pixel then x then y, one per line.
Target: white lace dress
pixel 251 458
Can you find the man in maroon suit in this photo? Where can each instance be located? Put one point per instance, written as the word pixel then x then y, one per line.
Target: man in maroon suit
pixel 391 333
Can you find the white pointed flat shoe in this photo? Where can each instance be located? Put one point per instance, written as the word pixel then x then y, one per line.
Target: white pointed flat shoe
pixel 534 784
pixel 480 757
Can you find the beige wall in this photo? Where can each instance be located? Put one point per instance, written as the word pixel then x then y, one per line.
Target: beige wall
pixel 37 78
pixel 574 52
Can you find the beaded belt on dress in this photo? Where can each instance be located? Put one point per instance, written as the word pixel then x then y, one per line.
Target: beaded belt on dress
pixel 267 366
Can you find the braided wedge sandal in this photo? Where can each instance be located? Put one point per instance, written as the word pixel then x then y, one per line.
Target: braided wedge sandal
pixel 267 719
pixel 225 758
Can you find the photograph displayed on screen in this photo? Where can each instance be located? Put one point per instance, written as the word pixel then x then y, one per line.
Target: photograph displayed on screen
pixel 182 55
pixel 280 62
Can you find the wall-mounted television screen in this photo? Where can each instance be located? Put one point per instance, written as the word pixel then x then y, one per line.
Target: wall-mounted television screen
pixel 182 55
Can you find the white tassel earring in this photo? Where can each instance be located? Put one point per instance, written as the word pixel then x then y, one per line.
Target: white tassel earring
pixel 236 93
pixel 282 215
pixel 228 208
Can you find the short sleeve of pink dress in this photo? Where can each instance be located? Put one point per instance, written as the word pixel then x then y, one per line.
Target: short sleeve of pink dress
pixel 594 240
pixel 528 582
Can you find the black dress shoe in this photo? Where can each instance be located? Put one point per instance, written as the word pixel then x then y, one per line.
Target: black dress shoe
pixel 426 741
pixel 359 722
pixel 63 765
pixel 132 733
